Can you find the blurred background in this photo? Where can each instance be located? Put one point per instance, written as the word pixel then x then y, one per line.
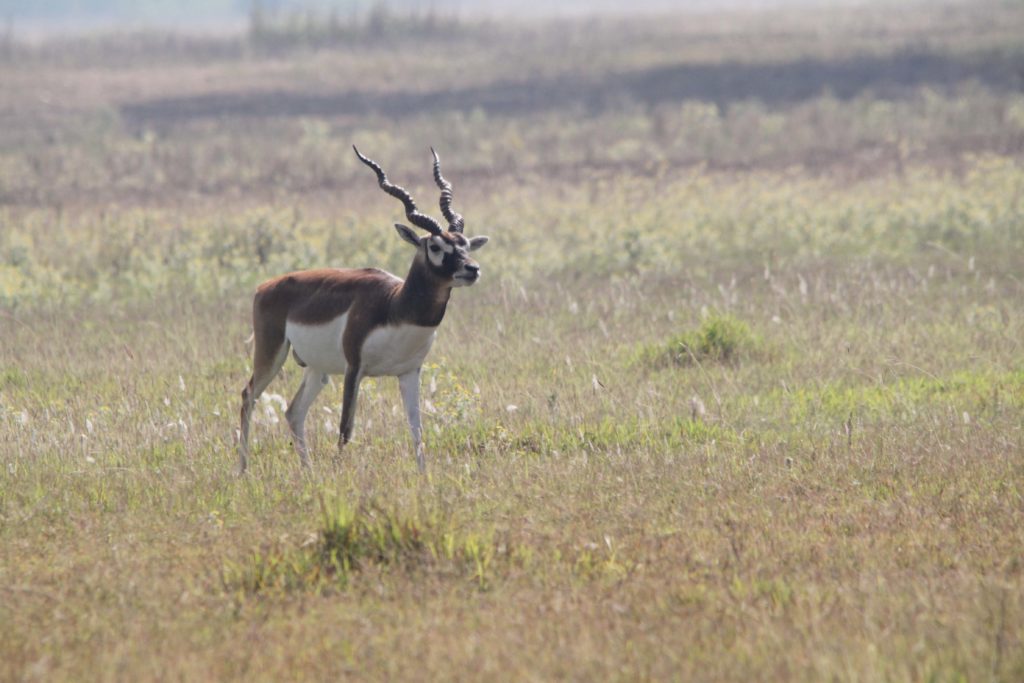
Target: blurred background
pixel 83 13
pixel 148 100
pixel 232 105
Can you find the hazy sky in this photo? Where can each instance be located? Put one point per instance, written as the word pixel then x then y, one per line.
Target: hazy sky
pixel 68 13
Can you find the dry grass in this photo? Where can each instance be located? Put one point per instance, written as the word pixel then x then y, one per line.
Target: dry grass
pixel 841 499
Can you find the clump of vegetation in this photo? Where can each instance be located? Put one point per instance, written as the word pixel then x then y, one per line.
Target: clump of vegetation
pixel 721 338
pixel 352 538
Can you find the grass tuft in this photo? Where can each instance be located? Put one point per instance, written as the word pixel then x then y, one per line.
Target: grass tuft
pixel 353 538
pixel 721 338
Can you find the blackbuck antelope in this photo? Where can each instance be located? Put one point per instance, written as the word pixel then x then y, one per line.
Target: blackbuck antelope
pixel 360 322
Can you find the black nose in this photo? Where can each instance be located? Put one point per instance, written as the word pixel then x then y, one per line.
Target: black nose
pixel 472 268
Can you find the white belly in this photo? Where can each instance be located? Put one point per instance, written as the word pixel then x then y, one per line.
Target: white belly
pixel 391 351
pixel 395 350
pixel 319 346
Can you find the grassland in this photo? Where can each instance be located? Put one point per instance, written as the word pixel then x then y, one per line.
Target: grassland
pixel 739 396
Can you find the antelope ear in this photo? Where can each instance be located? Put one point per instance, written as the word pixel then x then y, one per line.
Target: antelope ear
pixel 477 242
pixel 407 234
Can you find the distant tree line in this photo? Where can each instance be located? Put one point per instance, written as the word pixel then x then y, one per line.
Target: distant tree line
pixel 279 25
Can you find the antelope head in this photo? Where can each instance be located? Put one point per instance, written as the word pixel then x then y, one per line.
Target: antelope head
pixel 443 253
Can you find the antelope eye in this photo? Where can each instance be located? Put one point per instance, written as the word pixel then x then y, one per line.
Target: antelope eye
pixel 434 248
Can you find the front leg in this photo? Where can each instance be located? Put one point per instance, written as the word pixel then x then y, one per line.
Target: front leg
pixel 409 384
pixel 348 404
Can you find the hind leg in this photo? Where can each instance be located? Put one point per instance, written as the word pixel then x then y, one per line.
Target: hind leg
pixel 312 383
pixel 268 357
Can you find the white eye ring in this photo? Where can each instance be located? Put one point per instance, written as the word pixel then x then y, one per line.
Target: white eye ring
pixel 434 248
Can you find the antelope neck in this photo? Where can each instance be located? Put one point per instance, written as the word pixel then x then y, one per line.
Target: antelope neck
pixel 422 298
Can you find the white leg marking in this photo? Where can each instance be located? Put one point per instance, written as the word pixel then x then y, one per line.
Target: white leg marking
pixel 312 384
pixel 409 384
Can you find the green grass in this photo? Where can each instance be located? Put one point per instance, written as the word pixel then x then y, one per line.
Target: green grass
pixel 719 339
pixel 695 422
